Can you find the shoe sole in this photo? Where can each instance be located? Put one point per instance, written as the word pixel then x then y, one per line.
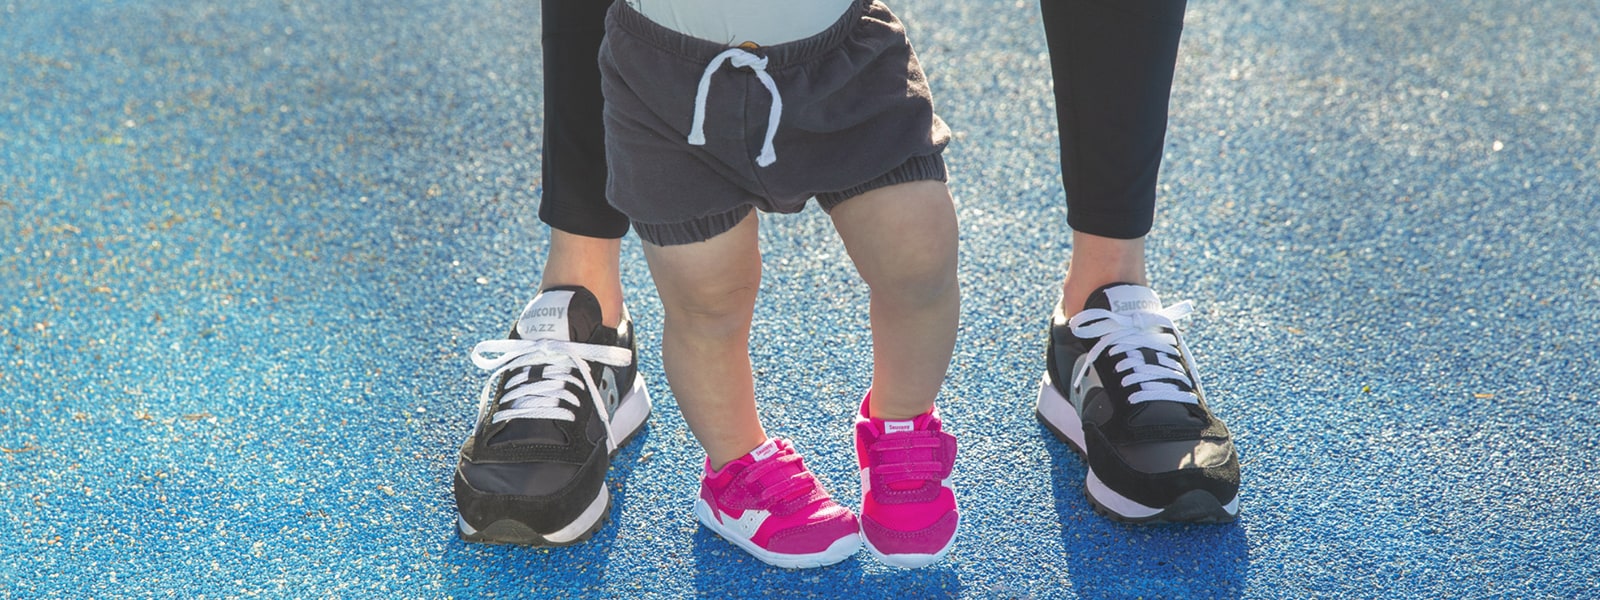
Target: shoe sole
pixel 629 420
pixel 841 548
pixel 1060 416
pixel 512 531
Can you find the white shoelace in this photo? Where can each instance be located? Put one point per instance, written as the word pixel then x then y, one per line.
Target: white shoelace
pixel 548 397
pixel 1128 335
pixel 740 58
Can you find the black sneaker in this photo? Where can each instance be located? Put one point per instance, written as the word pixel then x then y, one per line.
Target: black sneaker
pixel 1121 389
pixel 565 394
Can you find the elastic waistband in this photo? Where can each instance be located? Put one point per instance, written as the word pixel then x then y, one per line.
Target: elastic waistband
pixel 624 18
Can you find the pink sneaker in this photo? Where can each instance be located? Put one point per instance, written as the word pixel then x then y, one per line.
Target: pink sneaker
pixel 908 508
pixel 769 504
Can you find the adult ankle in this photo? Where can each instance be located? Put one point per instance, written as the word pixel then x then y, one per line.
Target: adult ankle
pixel 590 263
pixel 1099 261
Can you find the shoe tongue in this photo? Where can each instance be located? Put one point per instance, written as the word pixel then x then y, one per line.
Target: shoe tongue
pixel 1124 298
pixel 927 421
pixel 564 314
pixel 764 451
pixel 899 426
pixel 922 422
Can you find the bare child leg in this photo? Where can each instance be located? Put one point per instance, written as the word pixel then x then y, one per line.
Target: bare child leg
pixel 708 292
pixel 902 239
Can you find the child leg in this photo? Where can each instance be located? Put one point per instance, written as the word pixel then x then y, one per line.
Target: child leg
pixel 708 292
pixel 902 239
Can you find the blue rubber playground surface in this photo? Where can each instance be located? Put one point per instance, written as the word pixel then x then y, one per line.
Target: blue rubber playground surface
pixel 246 246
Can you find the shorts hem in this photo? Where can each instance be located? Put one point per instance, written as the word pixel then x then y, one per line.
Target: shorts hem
pixel 689 232
pixel 917 168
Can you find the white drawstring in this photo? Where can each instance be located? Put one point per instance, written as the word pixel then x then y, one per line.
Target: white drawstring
pixel 740 58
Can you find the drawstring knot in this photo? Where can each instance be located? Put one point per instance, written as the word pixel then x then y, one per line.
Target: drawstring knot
pixel 739 58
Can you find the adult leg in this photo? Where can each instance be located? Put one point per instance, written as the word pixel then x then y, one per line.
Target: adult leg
pixel 586 232
pixel 592 263
pixel 1120 385
pixel 1113 65
pixel 514 480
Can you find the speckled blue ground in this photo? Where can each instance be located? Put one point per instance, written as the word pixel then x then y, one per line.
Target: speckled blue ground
pixel 246 246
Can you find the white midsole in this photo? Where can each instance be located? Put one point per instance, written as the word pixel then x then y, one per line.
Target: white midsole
pixel 631 412
pixel 841 548
pixel 585 521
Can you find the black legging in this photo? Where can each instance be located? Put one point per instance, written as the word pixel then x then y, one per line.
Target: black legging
pixel 1112 61
pixel 574 197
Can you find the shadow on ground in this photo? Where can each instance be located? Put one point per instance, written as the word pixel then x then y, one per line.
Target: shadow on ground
pixel 1107 559
pixel 722 571
pixel 478 570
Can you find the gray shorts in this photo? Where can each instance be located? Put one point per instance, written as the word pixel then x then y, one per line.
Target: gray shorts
pixel 856 115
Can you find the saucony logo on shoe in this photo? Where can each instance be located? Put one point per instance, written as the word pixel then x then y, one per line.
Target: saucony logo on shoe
pixel 552 322
pixel 765 450
pixel 1136 306
pixel 608 387
pixel 746 524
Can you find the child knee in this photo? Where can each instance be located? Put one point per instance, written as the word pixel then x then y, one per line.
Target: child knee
pixel 713 310
pixel 924 278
